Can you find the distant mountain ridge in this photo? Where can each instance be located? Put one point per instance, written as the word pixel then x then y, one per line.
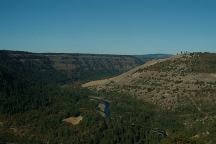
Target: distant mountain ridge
pixel 148 57
pixel 69 67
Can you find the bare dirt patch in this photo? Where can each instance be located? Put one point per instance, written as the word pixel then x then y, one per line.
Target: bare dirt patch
pixel 213 75
pixel 73 120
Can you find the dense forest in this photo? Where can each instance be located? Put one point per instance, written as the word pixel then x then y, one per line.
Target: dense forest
pixel 38 119
pixel 67 68
pixel 35 100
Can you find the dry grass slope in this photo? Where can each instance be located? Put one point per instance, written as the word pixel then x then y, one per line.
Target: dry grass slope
pixel 174 82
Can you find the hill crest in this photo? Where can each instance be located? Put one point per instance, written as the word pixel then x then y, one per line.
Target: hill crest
pixel 171 83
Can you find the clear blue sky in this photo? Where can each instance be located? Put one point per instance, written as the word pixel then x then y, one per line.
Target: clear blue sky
pixel 108 26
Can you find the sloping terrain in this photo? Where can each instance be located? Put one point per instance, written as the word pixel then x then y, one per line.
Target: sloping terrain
pixel 148 57
pixel 85 67
pixel 30 67
pixel 67 67
pixel 34 112
pixel 171 82
pixel 34 105
pixel 184 84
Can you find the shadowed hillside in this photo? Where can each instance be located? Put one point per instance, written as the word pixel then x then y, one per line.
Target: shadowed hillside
pixel 64 68
pixel 35 108
pixel 84 67
pixel 148 57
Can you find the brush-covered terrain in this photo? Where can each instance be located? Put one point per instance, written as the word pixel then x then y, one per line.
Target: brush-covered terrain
pixel 35 104
pixel 168 101
pixel 184 84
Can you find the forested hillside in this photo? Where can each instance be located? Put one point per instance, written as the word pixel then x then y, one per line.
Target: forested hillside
pixel 130 121
pixel 85 67
pixel 34 106
pixel 65 68
pixel 38 93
